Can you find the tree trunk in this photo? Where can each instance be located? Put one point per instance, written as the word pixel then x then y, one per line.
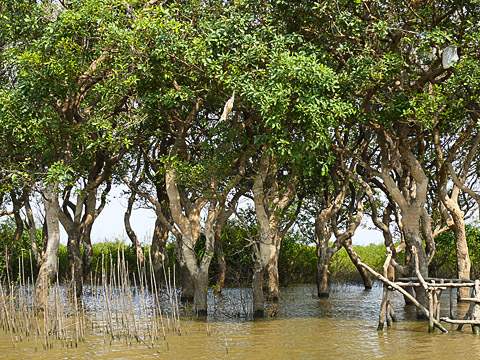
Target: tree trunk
pixel 367 282
pixel 413 238
pixel 75 263
pixel 32 232
pixel 463 258
pixel 273 284
pixel 222 272
pixel 323 275
pixel 201 287
pixel 158 251
pixel 188 286
pixel 131 234
pixel 86 234
pixel 87 255
pixel 257 285
pixel 17 205
pixel 48 269
pixel 222 265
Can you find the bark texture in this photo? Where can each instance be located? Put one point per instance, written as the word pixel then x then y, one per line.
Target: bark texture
pixel 271 201
pixel 48 268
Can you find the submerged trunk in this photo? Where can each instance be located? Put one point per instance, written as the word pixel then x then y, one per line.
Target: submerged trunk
pixel 263 255
pixel 270 206
pixel 367 282
pixel 257 285
pixel 323 274
pixel 273 285
pixel 48 268
pixel 32 232
pixel 201 287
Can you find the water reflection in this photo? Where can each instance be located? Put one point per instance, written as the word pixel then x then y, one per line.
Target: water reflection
pixel 340 327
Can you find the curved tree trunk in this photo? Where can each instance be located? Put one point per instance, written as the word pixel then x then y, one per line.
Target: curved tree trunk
pixel 131 234
pixel 367 282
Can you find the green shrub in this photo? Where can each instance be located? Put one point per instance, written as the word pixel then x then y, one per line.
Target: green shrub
pixel 13 252
pixel 342 269
pixel 297 261
pixel 444 263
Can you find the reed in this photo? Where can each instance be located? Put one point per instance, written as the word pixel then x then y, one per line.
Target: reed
pixel 111 307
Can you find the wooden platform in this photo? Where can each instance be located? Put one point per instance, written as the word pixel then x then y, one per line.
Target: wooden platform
pixel 433 288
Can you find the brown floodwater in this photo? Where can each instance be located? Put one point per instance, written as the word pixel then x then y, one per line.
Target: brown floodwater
pixel 303 327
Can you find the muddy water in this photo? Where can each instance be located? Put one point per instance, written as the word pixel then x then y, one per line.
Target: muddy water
pixel 341 327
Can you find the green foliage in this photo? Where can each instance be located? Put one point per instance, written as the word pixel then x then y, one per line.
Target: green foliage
pixel 13 252
pixel 342 268
pixel 236 241
pixel 297 261
pixel 444 263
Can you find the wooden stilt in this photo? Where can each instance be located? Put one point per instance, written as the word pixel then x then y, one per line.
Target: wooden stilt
pixel 383 306
pixel 451 303
pixel 392 312
pixel 476 308
pixel 431 327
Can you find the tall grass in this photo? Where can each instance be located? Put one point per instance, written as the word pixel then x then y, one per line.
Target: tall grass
pixel 117 304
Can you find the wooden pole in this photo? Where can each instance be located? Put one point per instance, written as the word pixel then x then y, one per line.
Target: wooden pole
pixel 476 309
pixel 431 327
pixel 469 313
pixel 383 306
pixel 451 303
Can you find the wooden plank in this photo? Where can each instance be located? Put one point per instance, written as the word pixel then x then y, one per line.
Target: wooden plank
pixel 447 281
pixel 441 286
pixel 453 321
pixel 470 299
pixel 476 309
